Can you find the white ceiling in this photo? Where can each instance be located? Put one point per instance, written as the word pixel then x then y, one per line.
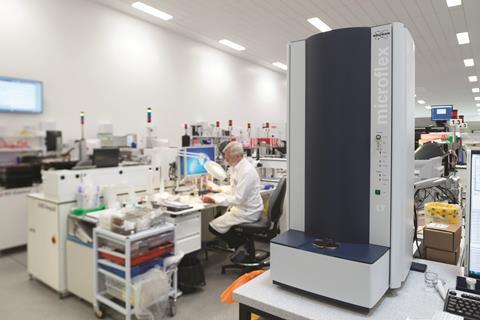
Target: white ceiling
pixel 265 27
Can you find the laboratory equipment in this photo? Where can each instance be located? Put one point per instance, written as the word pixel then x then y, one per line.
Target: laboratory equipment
pixel 106 157
pixel 215 170
pixel 357 194
pixel 185 137
pixel 53 140
pixel 62 185
pixel 17 175
pixel 82 143
pixel 48 212
pixel 472 219
pixel 19 95
pixel 431 279
pixel 429 168
pixel 441 113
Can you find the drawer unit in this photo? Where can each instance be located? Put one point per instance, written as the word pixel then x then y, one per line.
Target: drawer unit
pixel 189 244
pixel 188 232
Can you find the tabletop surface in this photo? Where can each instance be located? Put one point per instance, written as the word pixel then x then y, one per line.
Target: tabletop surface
pixel 412 301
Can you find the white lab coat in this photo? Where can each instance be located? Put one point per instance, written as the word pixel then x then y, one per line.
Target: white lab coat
pixel 242 197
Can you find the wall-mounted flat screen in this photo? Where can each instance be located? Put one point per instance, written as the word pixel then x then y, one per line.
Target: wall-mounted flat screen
pixel 19 95
pixel 442 113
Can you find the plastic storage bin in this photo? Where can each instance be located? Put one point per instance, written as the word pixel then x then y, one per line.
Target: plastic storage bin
pixel 163 250
pixel 137 270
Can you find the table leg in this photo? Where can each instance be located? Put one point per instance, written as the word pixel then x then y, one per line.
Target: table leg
pixel 244 312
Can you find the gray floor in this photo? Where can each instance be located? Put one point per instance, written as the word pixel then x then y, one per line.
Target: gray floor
pixel 21 298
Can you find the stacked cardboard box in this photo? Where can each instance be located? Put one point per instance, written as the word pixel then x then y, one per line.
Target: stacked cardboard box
pixel 442 242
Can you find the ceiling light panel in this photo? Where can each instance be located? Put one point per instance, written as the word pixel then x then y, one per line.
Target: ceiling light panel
pixel 151 10
pixel 232 45
pixel 463 38
pixel 468 62
pixel 319 24
pixel 453 3
pixel 280 65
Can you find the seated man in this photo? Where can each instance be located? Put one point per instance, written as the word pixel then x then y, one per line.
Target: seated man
pixel 242 198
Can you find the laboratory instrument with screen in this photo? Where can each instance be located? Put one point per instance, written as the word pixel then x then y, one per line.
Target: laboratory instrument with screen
pixel 351 216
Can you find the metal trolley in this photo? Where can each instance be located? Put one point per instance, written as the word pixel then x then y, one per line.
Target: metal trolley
pixel 105 268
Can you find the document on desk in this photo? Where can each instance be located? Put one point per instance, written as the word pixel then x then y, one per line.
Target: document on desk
pixel 440 315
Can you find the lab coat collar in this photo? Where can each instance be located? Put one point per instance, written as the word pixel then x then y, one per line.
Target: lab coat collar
pixel 239 163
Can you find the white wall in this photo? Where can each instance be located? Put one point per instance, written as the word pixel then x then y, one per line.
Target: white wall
pixel 112 66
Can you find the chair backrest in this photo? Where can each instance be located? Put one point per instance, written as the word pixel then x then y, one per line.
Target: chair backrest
pixel 275 204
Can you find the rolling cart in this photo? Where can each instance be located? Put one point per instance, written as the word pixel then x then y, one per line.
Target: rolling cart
pixel 121 259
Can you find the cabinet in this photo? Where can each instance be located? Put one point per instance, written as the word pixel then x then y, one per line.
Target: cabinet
pixel 188 235
pixel 80 263
pixel 13 217
pixel 46 241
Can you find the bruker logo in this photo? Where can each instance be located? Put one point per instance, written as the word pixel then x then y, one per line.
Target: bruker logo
pixel 381 34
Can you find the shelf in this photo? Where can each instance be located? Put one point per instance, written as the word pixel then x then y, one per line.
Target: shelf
pixel 22 137
pixel 106 234
pixel 15 150
pixel 112 253
pixel 102 297
pixel 112 275
pixel 111 264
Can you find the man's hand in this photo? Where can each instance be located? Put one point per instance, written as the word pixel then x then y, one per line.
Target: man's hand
pixel 207 199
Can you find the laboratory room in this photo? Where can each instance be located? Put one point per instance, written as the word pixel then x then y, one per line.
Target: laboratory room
pixel 240 159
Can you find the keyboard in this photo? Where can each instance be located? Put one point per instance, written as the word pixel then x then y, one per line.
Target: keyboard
pixel 463 304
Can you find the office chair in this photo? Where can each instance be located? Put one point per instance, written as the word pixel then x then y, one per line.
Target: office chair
pixel 264 230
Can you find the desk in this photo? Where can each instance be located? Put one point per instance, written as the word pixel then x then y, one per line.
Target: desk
pixel 190 223
pixel 412 300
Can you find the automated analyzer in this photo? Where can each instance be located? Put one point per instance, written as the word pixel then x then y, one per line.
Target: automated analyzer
pixel 350 165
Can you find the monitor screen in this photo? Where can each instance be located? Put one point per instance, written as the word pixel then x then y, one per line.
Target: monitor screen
pixel 18 95
pixel 442 113
pixel 474 219
pixel 194 165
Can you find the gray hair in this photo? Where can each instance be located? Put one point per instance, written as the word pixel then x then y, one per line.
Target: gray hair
pixel 236 148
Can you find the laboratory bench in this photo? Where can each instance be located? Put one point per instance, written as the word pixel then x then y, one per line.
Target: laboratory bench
pixel 66 240
pixel 413 301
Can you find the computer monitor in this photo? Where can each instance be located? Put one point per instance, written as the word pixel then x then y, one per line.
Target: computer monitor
pixel 442 112
pixel 19 95
pixel 473 216
pixel 193 166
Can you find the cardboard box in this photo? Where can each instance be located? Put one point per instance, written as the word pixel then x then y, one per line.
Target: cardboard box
pixel 441 236
pixel 442 256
